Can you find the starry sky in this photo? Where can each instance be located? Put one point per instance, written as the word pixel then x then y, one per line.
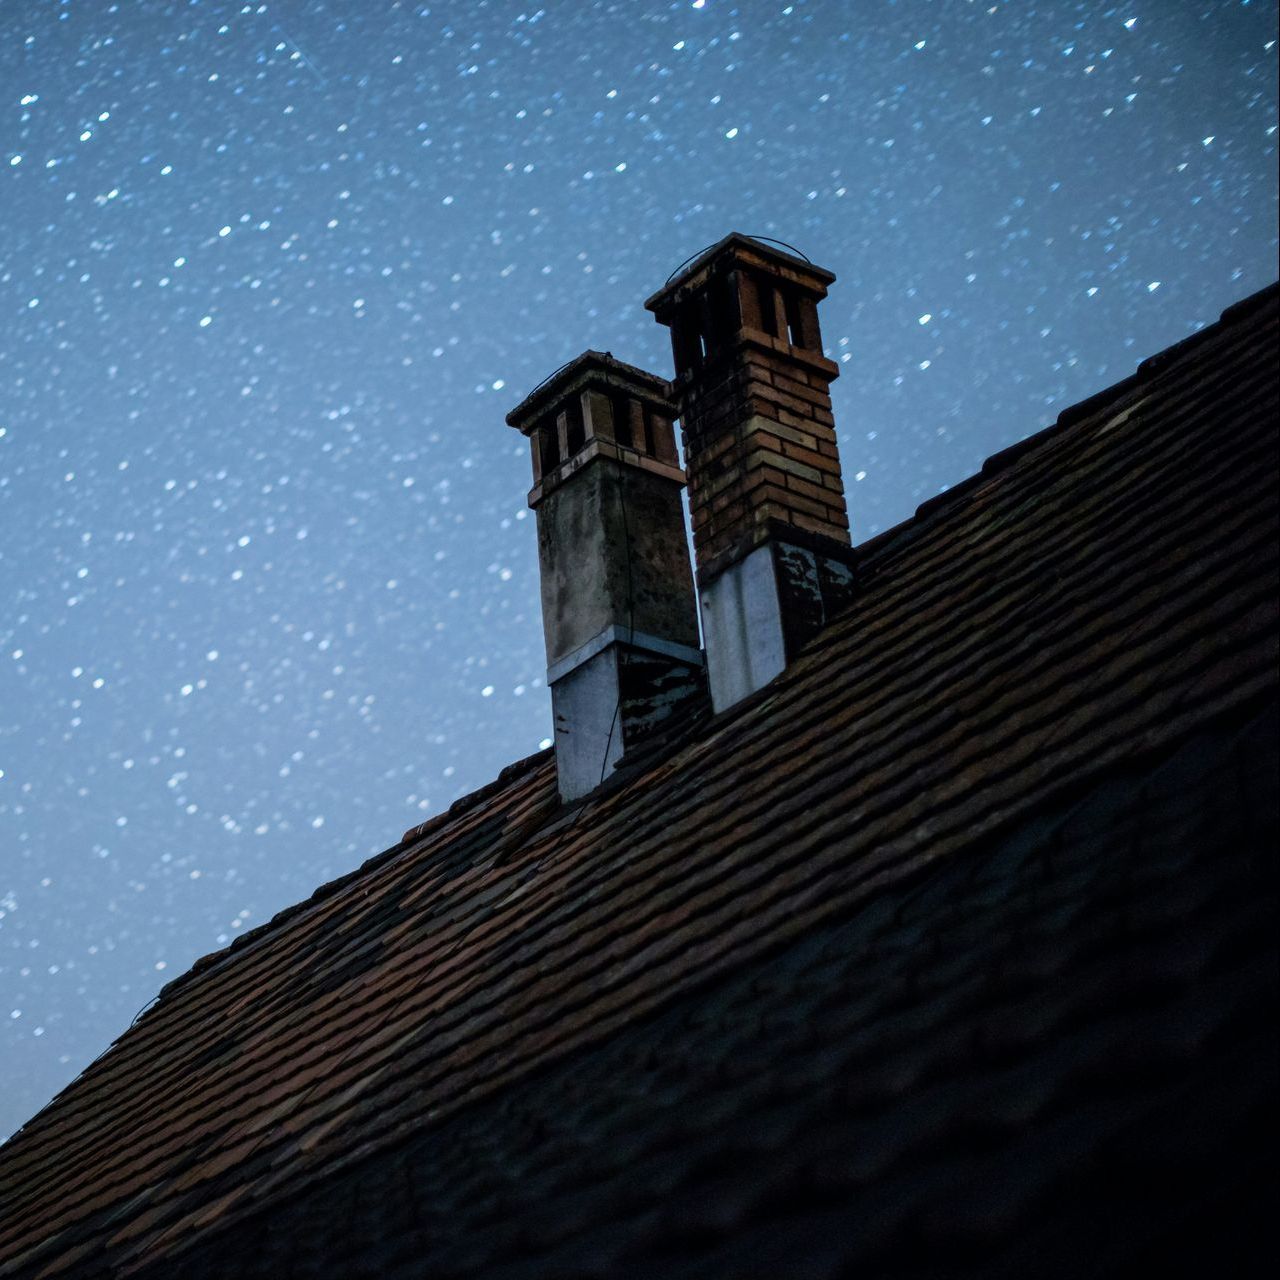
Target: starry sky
pixel 272 274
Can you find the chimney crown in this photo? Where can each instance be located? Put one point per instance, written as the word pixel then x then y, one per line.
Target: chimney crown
pixel 596 406
pixel 743 252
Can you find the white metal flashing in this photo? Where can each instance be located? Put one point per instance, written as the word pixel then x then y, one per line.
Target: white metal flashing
pixel 742 627
pixel 622 635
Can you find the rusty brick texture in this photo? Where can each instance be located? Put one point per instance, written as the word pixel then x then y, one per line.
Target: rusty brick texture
pixel 760 446
pixel 752 387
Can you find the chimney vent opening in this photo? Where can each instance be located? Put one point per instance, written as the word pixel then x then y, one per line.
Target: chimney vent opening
pixel 791 308
pixel 548 446
pixel 650 445
pixel 622 432
pixel 723 311
pixel 765 305
pixel 688 342
pixel 575 434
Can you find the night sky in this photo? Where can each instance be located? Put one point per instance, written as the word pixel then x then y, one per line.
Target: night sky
pixel 271 276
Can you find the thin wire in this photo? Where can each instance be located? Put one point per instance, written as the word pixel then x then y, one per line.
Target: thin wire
pixel 143 1010
pixel 769 239
pixel 774 240
pixel 306 62
pixel 552 374
pixel 631 618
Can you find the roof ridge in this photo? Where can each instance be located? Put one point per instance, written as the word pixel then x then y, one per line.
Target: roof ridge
pixel 1074 414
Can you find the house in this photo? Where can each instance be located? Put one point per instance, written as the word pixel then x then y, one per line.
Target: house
pixel 916 920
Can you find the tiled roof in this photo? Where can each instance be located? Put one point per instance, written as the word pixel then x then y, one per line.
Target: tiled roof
pixel 951 1065
pixel 949 948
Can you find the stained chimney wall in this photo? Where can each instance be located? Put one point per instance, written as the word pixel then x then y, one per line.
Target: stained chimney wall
pixel 619 609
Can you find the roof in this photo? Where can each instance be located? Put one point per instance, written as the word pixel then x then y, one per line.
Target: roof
pixel 952 945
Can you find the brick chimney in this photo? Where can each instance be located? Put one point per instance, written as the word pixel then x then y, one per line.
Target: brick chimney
pixel 618 608
pixel 770 532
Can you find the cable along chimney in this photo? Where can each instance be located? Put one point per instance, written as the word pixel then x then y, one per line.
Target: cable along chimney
pixel 618 605
pixel 766 498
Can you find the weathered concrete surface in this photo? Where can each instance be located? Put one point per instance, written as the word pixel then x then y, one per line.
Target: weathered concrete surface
pixel 584 708
pixel 606 705
pixel 619 612
pixel 612 551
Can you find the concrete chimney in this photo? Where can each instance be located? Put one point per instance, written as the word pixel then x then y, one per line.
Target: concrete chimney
pixel 770 530
pixel 618 608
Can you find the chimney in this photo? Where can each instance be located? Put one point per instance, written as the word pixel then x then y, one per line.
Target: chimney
pixel 770 532
pixel 618 606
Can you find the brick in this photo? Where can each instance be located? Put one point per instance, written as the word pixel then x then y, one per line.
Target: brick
pixel 717 546
pixel 772 361
pixel 819 461
pixel 711 454
pixel 764 407
pixel 775 395
pixel 802 391
pixel 787 417
pixel 782 491
pixel 763 436
pixel 799 504
pixel 772 511
pixel 783 448
pixel 765 475
pixel 795 435
pixel 756 387
pixel 818 493
pixel 763 457
pixel 803 506
pixel 708 415
pixel 831 528
pixel 726 480
pixel 732 513
pixel 769 489
pixel 717 388
pixel 727 500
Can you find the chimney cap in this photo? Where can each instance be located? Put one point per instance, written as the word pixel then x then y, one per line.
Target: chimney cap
pixel 745 249
pixel 591 368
